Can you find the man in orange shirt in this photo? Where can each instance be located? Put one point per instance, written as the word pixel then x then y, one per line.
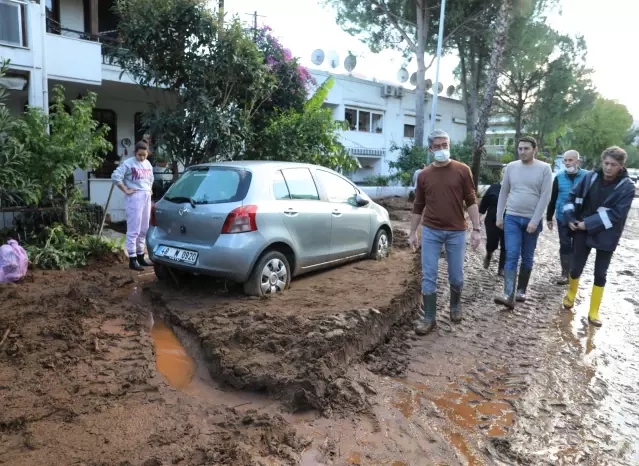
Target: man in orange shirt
pixel 443 188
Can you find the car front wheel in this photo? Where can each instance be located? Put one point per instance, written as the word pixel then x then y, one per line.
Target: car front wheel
pixel 381 245
pixel 271 274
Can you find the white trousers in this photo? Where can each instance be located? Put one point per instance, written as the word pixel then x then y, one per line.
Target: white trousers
pixel 138 215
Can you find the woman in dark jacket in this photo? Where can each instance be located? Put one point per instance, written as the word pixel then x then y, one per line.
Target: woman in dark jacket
pixel 596 212
pixel 494 235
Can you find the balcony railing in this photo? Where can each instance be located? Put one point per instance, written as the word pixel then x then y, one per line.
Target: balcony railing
pixel 108 39
pixel 13 23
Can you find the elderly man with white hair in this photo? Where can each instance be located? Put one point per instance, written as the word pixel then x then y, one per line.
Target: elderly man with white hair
pixel 443 189
pixel 565 180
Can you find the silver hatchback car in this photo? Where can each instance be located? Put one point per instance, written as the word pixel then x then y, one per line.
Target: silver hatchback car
pixel 260 223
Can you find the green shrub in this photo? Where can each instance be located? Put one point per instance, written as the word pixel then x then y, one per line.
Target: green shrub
pixel 55 248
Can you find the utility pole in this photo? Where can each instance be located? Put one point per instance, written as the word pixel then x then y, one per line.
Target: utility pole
pixel 220 17
pixel 255 16
pixel 433 113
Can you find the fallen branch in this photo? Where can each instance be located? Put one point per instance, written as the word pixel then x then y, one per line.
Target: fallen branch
pixel 5 335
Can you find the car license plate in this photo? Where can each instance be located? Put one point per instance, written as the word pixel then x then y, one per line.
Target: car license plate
pixel 177 255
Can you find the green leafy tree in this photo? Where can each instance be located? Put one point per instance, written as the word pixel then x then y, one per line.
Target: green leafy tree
pixel 214 80
pixel 61 142
pixel 605 125
pixel 309 136
pixel 16 187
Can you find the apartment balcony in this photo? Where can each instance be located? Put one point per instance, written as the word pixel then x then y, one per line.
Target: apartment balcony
pixel 73 55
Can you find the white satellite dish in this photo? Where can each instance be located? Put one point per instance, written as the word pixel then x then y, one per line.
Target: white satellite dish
pixel 317 57
pixel 402 75
pixel 350 63
pixel 450 90
pixel 440 88
pixel 333 59
pixel 413 79
pixel 429 84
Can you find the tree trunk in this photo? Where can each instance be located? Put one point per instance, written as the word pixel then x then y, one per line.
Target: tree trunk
pixel 65 212
pixel 420 91
pixel 502 26
pixel 518 117
pixel 470 123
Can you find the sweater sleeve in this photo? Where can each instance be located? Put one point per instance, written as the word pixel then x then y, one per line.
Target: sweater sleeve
pixel 550 212
pixel 546 190
pixel 503 194
pixel 485 202
pixel 119 173
pixel 419 203
pixel 470 197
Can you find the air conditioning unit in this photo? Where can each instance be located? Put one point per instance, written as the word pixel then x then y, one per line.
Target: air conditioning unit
pixel 399 91
pixel 387 90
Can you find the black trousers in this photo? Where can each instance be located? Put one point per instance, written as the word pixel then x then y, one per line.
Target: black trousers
pixel 494 240
pixel 580 253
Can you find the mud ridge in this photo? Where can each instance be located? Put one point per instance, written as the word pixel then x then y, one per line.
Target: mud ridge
pixel 297 360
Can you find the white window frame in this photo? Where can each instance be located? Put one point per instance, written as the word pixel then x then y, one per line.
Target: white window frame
pixel 22 18
pixel 370 119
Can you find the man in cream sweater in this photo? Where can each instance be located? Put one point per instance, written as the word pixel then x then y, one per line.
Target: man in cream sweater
pixel 524 195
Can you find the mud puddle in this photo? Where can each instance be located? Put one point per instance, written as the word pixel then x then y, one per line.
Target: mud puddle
pixel 171 358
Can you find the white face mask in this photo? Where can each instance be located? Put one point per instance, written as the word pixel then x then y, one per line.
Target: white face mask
pixel 571 170
pixel 442 155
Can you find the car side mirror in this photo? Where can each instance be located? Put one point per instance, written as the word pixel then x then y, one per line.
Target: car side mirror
pixel 361 201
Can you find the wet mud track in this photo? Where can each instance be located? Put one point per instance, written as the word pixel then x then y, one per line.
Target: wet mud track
pixel 330 373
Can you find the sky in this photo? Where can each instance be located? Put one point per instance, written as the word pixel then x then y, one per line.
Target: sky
pixel 609 29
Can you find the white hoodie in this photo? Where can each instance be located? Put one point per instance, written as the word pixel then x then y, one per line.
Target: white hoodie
pixel 135 175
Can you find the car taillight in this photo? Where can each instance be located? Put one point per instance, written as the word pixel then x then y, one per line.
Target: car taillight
pixel 153 220
pixel 240 220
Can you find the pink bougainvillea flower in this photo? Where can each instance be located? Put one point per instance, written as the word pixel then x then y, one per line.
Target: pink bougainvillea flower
pixel 270 60
pixel 287 54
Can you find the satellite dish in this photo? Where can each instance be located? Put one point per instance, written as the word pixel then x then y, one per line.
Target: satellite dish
pixel 450 90
pixel 413 79
pixel 402 75
pixel 440 88
pixel 350 63
pixel 429 84
pixel 317 57
pixel 333 59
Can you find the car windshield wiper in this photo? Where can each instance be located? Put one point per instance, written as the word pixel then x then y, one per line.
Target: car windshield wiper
pixel 180 199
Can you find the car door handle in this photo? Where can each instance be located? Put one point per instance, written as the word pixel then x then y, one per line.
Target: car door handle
pixel 337 213
pixel 290 212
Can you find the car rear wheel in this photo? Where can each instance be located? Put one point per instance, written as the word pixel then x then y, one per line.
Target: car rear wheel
pixel 271 274
pixel 381 245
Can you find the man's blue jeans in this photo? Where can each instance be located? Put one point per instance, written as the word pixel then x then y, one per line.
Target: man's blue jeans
pixel 519 242
pixel 432 241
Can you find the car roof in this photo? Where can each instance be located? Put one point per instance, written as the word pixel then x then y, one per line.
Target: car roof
pixel 255 164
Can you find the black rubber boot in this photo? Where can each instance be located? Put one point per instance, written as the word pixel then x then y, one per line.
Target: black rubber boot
pixel 430 314
pixel 487 259
pixel 565 269
pixel 142 261
pixel 133 264
pixel 524 277
pixel 508 297
pixel 455 304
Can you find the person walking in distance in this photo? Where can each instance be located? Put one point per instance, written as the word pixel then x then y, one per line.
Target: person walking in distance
pixel 561 187
pixel 416 174
pixel 135 178
pixel 442 190
pixel 524 195
pixel 494 235
pixel 596 211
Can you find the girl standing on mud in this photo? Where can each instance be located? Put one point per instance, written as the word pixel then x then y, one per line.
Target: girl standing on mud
pixel 135 178
pixel 494 235
pixel 596 212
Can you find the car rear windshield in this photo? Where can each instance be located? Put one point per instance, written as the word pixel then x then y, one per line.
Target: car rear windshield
pixel 210 185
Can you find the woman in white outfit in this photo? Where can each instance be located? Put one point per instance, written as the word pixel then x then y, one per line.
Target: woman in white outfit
pixel 135 178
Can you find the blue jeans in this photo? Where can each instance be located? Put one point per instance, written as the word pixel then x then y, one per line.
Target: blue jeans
pixel 565 238
pixel 432 241
pixel 519 242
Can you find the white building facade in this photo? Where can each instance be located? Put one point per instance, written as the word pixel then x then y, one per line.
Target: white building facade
pixel 379 116
pixel 62 42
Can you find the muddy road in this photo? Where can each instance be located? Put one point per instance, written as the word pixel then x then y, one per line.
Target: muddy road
pixel 105 367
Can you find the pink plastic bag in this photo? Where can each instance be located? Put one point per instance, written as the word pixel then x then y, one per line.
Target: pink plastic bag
pixel 13 262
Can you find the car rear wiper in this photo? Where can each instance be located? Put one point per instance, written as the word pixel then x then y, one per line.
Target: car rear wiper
pixel 180 199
